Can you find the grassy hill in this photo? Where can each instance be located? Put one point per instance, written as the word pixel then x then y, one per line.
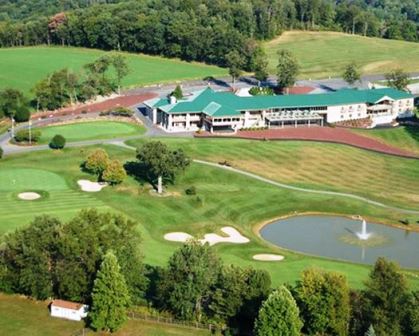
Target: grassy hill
pixel 323 54
pixel 23 67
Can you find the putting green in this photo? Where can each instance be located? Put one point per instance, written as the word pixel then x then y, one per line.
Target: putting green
pixel 26 179
pixel 90 131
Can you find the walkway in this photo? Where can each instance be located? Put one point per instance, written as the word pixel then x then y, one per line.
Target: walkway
pixel 321 134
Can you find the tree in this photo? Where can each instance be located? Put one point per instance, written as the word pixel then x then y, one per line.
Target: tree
pixel 186 284
pixel 323 299
pixel 57 142
pixel 287 69
pixel 351 74
pixel 161 163
pixel 235 63
pixel 397 79
pixel 386 291
pixel 259 64
pixel 12 103
pixel 120 65
pixel 97 162
pixel 278 315
pixel 110 298
pixel 177 92
pixel 114 172
pixel 370 331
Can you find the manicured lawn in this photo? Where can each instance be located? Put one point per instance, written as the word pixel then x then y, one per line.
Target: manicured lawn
pixel 226 199
pixel 91 130
pixel 22 68
pixel 322 166
pixel 406 137
pixel 323 54
pixel 22 317
pixel 4 126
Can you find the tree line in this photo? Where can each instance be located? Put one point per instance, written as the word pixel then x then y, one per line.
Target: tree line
pixel 175 28
pixel 96 258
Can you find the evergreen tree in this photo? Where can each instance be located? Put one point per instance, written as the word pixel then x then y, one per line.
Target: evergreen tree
pixel 351 74
pixel 370 331
pixel 287 69
pixel 177 92
pixel 110 298
pixel 279 315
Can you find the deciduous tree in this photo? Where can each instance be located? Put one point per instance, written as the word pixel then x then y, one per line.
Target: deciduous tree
pixel 351 75
pixel 397 79
pixel 235 64
pixel 287 69
pixel 114 172
pixel 97 162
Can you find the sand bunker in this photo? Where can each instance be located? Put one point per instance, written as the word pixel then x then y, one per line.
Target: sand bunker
pixel 90 186
pixel 268 257
pixel 29 196
pixel 233 236
pixel 178 236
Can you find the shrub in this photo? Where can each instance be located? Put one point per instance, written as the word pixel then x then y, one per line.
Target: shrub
pixel 261 91
pixel 23 135
pixel 57 142
pixel 119 112
pixel 190 191
pixel 405 221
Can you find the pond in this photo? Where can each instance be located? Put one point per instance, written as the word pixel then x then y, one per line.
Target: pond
pixel 338 238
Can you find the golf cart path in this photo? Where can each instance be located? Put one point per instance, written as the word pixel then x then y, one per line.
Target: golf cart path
pixel 121 143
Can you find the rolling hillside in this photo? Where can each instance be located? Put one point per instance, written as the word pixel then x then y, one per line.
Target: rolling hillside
pixel 22 68
pixel 323 54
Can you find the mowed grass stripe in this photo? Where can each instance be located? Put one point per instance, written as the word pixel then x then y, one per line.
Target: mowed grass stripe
pixel 314 165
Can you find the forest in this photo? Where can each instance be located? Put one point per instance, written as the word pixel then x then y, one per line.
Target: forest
pixel 198 30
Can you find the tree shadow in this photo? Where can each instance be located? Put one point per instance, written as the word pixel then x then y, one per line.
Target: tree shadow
pixel 138 171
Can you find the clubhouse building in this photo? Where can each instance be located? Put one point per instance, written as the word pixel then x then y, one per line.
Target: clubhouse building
pixel 219 111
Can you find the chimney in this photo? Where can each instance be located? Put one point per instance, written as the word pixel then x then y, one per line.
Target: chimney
pixel 173 100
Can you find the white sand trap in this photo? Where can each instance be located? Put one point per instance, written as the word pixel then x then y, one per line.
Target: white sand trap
pixel 268 257
pixel 29 196
pixel 90 186
pixel 178 236
pixel 233 236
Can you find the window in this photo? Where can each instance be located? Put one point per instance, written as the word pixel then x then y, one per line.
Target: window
pixel 341 116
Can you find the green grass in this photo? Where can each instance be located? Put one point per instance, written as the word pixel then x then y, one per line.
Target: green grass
pixel 22 68
pixel 228 199
pixel 385 178
pixel 22 317
pixel 91 130
pixel 405 137
pixel 323 54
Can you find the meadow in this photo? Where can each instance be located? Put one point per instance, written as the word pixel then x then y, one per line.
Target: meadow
pixel 22 68
pixel 90 130
pixel 225 198
pixel 22 317
pixel 324 54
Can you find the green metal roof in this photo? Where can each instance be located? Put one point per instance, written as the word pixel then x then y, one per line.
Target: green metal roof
pixel 215 103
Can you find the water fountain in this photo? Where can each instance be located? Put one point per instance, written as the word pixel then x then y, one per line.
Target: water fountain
pixel 363 235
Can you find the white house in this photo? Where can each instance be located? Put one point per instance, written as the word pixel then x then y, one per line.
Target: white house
pixel 211 110
pixel 68 310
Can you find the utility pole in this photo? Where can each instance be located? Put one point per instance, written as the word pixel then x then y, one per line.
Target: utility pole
pixel 30 134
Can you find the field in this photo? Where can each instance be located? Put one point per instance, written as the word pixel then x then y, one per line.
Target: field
pixel 323 54
pixel 22 68
pixel 22 317
pixel 406 137
pixel 320 166
pixel 226 198
pixel 90 130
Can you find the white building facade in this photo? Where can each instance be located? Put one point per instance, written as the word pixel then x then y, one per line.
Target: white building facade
pixel 212 111
pixel 68 310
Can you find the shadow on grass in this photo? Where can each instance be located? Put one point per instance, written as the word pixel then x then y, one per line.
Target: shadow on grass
pixel 413 132
pixel 138 172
